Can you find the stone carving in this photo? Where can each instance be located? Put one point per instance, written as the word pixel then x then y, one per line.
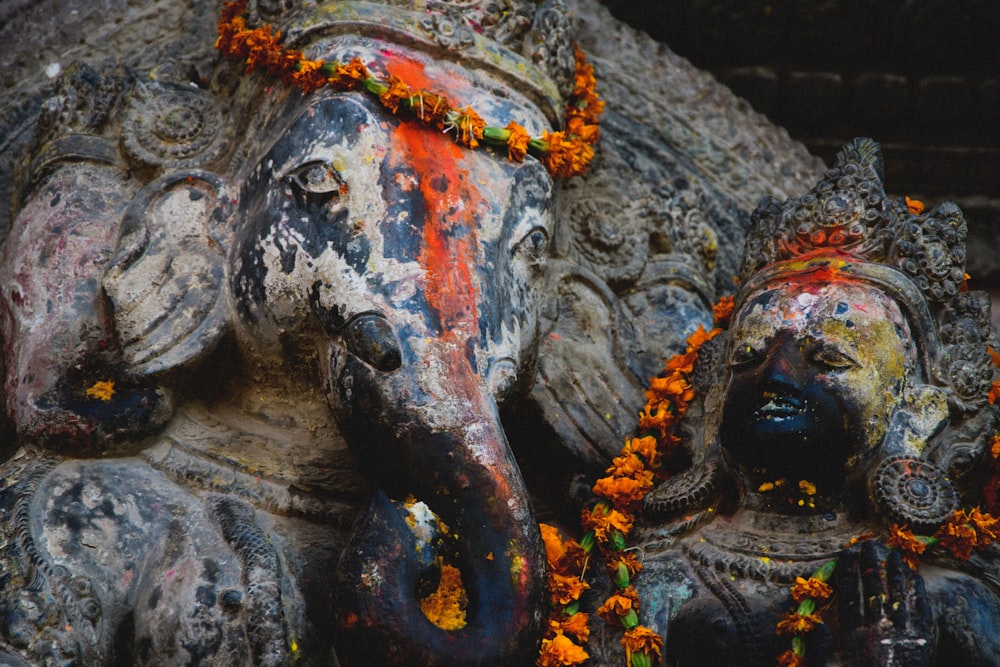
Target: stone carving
pixel 836 413
pixel 238 319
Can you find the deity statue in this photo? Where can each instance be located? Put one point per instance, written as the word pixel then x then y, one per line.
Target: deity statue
pixel 257 336
pixel 358 294
pixel 842 414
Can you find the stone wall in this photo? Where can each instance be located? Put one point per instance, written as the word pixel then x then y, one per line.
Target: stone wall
pixel 920 76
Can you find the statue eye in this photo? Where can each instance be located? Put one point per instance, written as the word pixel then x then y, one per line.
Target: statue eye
pixel 833 358
pixel 744 354
pixel 316 183
pixel 534 246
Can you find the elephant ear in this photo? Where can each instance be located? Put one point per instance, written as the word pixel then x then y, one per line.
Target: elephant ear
pixel 166 281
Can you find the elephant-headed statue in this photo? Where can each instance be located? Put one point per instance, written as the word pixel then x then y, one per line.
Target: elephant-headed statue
pixel 236 305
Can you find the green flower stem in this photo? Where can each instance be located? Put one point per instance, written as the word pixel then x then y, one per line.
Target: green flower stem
pixel 641 660
pixel 621 576
pixel 826 571
pixel 374 86
pixel 808 606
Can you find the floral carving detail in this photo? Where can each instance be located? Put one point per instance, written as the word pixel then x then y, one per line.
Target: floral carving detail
pixel 175 127
pixel 448 27
pixel 930 248
pixel 915 493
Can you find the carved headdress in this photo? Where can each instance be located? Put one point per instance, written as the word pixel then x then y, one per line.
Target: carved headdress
pixel 526 43
pixel 846 228
pixel 847 225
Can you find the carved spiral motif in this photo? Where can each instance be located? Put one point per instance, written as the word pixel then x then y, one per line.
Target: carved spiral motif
pixel 970 373
pixel 611 239
pixel 448 28
pixel 174 128
pixel 840 211
pixel 914 492
pixel 708 368
pixel 684 491
pixel 931 250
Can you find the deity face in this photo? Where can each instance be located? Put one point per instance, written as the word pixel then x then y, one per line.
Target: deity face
pixel 354 213
pixel 815 372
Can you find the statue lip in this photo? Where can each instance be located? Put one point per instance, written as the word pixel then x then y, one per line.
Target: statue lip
pixel 780 407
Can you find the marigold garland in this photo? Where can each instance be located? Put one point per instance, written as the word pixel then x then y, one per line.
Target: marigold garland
pixel 643 460
pixel 564 153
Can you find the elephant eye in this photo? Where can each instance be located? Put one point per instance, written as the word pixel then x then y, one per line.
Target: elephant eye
pixel 316 183
pixel 534 246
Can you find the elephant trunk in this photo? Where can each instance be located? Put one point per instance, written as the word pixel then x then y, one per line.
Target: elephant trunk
pixel 431 430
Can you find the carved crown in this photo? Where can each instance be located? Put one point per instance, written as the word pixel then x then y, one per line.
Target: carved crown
pixel 525 42
pixel 848 226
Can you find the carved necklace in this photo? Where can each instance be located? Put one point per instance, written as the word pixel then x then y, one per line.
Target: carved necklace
pixel 564 153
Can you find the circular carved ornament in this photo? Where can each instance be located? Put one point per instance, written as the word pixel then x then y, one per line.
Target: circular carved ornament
pixel 174 128
pixel 915 493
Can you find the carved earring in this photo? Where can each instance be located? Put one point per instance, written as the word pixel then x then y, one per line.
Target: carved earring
pixel 908 488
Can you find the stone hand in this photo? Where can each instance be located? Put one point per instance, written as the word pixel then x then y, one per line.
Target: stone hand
pixel 885 613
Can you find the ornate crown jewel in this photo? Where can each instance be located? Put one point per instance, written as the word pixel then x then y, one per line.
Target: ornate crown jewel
pixel 847 226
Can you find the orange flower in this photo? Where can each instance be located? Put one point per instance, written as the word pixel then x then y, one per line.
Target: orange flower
pixel 563 556
pixel 810 588
pixel 967 530
pixel 791 659
pixel 559 651
pixel 700 337
pixel 628 559
pixel 587 105
pixel 309 76
pixel 625 491
pixel 797 624
pixel 470 127
pixel 626 464
pixel 995 446
pixel 565 589
pixel 910 548
pixel 602 519
pixel 674 387
pixel 994 394
pixel 645 447
pixel 641 639
pixel 915 205
pixel 565 157
pixel 722 311
pixel 396 92
pixel 349 75
pixel 619 605
pixel 577 625
pixel 577 128
pixel 683 363
pixel 517 143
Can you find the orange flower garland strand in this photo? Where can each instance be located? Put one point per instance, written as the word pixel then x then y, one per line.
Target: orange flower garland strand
pixel 630 477
pixel 564 153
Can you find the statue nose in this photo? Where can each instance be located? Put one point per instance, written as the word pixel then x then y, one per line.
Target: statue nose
pixel 783 372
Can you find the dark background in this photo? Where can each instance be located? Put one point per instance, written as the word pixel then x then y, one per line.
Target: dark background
pixel 920 76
